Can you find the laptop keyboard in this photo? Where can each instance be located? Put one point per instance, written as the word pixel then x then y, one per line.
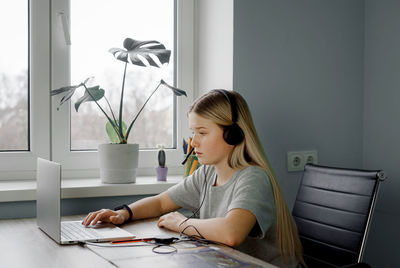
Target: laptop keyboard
pixel 76 231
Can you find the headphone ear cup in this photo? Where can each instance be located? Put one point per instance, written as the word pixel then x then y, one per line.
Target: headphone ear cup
pixel 233 134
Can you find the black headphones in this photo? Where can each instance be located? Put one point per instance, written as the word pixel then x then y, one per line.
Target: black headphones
pixel 233 134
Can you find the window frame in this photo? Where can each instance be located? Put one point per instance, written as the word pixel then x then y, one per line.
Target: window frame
pixel 48 126
pixel 22 164
pixel 85 163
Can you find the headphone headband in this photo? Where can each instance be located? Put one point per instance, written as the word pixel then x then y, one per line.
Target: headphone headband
pixel 232 103
pixel 233 134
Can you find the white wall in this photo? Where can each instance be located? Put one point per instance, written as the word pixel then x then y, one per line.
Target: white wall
pixel 213 45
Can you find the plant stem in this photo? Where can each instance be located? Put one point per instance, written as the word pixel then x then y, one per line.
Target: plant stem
pixel 109 119
pixel 112 113
pixel 130 126
pixel 122 100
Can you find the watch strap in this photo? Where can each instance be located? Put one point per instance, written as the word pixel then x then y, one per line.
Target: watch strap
pixel 124 206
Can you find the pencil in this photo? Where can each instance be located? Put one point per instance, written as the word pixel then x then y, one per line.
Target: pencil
pixel 193 167
pixel 189 147
pixel 184 146
pixel 132 240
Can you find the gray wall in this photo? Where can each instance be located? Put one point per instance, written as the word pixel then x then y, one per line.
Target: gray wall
pixel 324 75
pixel 299 64
pixel 382 124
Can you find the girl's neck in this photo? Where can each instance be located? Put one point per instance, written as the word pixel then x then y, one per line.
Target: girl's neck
pixel 224 173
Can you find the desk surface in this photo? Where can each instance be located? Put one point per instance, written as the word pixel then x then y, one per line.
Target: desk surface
pixel 23 244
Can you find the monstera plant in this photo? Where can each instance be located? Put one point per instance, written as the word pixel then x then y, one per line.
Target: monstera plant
pixel 138 53
pixel 118 161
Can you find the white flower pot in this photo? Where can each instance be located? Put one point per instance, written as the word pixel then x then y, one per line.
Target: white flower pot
pixel 118 162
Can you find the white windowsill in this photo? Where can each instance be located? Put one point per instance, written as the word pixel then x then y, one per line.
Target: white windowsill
pixel 25 190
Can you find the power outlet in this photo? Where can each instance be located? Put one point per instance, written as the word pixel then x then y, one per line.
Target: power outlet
pixel 297 160
pixel 310 157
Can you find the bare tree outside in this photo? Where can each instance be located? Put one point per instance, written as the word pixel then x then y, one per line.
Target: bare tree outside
pixel 14 114
pixel 96 26
pixel 92 36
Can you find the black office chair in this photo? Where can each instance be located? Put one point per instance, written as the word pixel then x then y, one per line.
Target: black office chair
pixel 333 212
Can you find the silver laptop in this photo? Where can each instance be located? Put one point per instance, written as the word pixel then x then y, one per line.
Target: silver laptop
pixel 48 212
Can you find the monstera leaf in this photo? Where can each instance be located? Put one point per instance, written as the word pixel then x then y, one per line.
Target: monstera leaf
pixel 91 94
pixel 136 51
pixel 111 132
pixel 177 91
pixel 140 53
pixel 69 91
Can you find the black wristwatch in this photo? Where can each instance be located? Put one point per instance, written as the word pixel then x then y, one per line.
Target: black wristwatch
pixel 127 208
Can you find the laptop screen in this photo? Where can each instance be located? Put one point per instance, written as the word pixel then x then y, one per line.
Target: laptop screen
pixel 48 196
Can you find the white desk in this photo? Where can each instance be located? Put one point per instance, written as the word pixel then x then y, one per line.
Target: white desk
pixel 23 244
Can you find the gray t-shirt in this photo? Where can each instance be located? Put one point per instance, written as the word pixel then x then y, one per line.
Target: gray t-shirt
pixel 248 189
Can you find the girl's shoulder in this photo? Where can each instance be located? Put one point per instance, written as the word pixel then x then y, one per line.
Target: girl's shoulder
pixel 254 172
pixel 253 175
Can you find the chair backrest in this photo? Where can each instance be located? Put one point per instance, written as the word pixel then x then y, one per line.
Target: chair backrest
pixel 332 212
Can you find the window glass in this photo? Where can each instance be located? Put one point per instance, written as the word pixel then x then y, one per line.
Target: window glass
pixel 97 26
pixel 14 85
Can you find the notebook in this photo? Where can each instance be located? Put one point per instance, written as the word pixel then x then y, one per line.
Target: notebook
pixel 48 212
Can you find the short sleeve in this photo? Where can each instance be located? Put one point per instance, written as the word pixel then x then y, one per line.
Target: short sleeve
pixel 186 194
pixel 253 192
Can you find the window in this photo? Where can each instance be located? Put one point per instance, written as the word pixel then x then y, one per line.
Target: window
pixel 92 35
pixel 72 142
pixel 24 90
pixel 45 61
pixel 14 84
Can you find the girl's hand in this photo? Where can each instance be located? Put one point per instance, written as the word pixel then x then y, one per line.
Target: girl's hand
pixel 104 215
pixel 171 221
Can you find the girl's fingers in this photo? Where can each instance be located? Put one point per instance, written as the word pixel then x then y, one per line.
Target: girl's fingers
pixel 94 217
pixel 98 217
pixel 159 222
pixel 89 218
pixel 103 215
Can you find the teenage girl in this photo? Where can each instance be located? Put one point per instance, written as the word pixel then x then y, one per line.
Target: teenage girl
pixel 235 191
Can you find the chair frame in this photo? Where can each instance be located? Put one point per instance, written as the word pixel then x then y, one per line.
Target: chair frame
pixel 380 176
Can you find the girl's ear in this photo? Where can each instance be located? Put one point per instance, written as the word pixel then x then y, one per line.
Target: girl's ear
pixel 233 134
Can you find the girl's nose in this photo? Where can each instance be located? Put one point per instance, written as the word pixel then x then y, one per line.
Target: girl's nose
pixel 194 142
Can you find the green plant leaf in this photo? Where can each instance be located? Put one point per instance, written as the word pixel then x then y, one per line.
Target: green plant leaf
pixel 177 91
pixel 140 52
pixel 69 92
pixel 91 94
pixel 112 135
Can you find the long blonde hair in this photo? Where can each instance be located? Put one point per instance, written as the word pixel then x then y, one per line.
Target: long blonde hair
pixel 216 107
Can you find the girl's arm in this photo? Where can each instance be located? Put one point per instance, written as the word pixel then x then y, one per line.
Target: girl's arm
pixel 151 207
pixel 148 207
pixel 230 230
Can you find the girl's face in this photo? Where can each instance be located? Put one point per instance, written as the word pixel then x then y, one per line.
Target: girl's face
pixel 208 141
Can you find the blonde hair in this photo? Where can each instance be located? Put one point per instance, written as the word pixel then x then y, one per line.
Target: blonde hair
pixel 215 106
